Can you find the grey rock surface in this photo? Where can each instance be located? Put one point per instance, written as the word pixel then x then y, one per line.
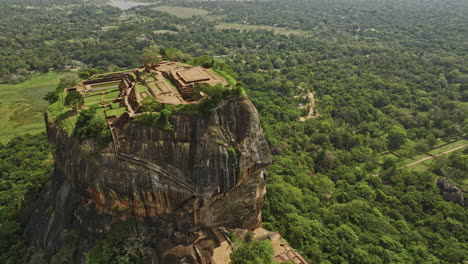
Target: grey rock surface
pixel 450 192
pixel 207 173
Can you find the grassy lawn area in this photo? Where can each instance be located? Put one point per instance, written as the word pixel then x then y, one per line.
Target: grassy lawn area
pixel 106 86
pixel 22 105
pixel 116 112
pixel 439 143
pixel 168 82
pixel 90 100
pixel 99 75
pixel 419 156
pixel 139 88
pixel 420 166
pixel 113 89
pixel 108 28
pixel 221 74
pixel 276 30
pixel 101 111
pixel 464 105
pixel 153 87
pixel 182 12
pixel 445 148
pixel 164 31
pixel 112 95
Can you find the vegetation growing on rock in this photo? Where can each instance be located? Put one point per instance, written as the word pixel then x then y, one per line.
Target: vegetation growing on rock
pixel 390 79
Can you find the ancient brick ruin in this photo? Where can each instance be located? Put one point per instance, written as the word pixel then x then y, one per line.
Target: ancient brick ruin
pixel 168 82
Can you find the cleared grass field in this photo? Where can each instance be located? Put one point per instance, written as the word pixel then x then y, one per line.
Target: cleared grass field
pixel 116 112
pixel 108 28
pixel 222 74
pixel 106 86
pixel 164 31
pixel 439 143
pixel 112 89
pixel 424 165
pixel 22 106
pixel 276 30
pixel 464 105
pixel 112 95
pixel 445 148
pixel 420 166
pixel 182 12
pixel 139 88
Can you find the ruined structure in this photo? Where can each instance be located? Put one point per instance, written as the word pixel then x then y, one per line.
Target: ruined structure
pixel 181 186
pixel 168 82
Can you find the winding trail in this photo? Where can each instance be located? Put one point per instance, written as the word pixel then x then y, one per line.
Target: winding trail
pixel 311 105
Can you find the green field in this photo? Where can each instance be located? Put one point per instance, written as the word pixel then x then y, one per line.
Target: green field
pixel 105 86
pixel 168 82
pixel 276 30
pixel 464 105
pixel 22 105
pixel 139 88
pixel 116 112
pixel 108 28
pixel 445 148
pixel 437 151
pixel 422 166
pixel 164 31
pixel 182 12
pixel 221 74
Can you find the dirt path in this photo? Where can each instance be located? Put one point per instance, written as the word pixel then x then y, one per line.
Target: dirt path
pixel 431 157
pixel 311 106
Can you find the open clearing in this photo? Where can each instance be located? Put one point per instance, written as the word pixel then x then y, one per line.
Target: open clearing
pixel 125 5
pixel 276 30
pixel 421 162
pixel 447 147
pixel 23 107
pixel 164 31
pixel 182 12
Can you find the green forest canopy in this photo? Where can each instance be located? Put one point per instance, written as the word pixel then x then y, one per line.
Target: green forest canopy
pixel 386 75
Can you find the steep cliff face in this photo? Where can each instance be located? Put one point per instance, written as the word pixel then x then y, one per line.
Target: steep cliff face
pixel 206 173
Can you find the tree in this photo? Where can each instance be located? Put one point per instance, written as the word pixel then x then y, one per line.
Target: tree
pixel 86 73
pixel 51 97
pixel 205 61
pixel 396 137
pixel 253 253
pixel 74 99
pixel 163 121
pixel 150 56
pixel 67 82
pixel 150 104
pixel 172 54
pixel 91 126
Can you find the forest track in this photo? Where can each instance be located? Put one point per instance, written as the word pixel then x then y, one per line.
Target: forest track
pixel 311 105
pixel 429 157
pixel 435 156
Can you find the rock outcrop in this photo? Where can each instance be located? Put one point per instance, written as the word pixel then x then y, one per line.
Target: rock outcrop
pixel 450 192
pixel 206 173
